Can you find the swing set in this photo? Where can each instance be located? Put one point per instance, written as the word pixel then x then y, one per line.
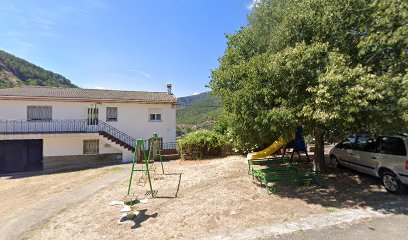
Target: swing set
pixel 129 210
pixel 147 169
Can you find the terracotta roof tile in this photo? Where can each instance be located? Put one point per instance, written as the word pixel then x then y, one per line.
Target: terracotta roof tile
pixel 86 94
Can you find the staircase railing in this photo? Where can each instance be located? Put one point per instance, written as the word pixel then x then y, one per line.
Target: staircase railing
pixel 63 126
pixel 104 127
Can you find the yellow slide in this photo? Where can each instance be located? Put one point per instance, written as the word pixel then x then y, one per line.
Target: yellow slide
pixel 267 151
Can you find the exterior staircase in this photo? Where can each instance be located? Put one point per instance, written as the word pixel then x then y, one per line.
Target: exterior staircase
pixel 117 141
pixel 116 136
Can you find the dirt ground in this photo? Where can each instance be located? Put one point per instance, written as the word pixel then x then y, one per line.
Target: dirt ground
pixel 20 192
pixel 215 197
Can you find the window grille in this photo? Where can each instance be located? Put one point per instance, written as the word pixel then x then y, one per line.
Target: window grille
pixel 91 146
pixel 111 114
pixel 39 113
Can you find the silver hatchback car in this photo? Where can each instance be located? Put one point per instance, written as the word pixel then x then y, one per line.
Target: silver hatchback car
pixel 385 157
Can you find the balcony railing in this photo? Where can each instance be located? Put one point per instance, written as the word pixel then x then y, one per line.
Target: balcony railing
pixel 169 146
pixel 71 126
pixel 64 126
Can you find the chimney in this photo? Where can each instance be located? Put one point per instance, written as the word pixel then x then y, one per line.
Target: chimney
pixel 169 89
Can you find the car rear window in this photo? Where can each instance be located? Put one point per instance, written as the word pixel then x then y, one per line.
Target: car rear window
pixel 393 146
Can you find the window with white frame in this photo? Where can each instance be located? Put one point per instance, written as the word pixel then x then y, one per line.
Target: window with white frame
pixel 39 113
pixel 155 115
pixel 111 114
pixel 91 146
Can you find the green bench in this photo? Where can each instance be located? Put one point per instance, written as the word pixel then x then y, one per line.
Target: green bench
pixel 291 174
pixel 266 162
pixel 273 169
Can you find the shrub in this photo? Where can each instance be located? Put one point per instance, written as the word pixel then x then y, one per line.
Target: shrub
pixel 202 143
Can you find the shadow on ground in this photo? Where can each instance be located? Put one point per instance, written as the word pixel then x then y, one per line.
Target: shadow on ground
pixel 345 188
pixel 140 218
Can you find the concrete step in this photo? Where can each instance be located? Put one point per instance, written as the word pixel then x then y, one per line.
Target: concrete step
pixel 168 157
pixel 168 151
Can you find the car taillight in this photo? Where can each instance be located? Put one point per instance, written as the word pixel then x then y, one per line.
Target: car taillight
pixel 406 165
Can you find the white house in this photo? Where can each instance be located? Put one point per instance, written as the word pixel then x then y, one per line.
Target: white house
pixel 46 127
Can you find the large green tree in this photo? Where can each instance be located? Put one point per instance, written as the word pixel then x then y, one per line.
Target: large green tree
pixel 332 66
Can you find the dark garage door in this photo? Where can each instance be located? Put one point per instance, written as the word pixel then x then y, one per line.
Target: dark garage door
pixel 21 155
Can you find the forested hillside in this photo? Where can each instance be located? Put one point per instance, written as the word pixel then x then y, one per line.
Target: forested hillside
pixel 188 100
pixel 202 114
pixel 15 71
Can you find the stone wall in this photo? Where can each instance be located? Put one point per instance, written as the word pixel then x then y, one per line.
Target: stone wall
pixel 76 161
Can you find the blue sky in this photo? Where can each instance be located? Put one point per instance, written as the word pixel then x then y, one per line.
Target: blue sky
pixel 123 44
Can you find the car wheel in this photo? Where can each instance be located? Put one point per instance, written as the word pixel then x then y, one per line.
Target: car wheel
pixel 392 183
pixel 334 162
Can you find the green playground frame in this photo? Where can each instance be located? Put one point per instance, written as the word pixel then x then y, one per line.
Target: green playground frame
pixel 140 145
pixel 145 166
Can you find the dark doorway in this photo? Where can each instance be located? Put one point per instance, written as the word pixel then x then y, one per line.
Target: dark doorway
pixel 21 156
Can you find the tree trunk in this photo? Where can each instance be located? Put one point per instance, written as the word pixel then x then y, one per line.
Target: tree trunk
pixel 318 158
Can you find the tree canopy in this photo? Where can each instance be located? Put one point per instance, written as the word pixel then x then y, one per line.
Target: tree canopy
pixel 331 66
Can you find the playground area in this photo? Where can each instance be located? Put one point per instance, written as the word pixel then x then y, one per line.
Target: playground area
pixel 216 197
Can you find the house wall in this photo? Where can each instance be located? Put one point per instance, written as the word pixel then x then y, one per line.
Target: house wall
pixel 67 152
pixel 65 146
pixel 70 145
pixel 133 118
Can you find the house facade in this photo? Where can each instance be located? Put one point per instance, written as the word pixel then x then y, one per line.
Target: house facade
pixel 46 128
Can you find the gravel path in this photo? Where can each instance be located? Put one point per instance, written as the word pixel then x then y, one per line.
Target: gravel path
pixel 40 213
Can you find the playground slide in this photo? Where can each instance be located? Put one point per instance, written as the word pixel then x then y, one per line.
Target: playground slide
pixel 267 151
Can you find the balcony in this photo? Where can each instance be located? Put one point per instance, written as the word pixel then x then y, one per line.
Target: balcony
pixel 77 126
pixel 65 126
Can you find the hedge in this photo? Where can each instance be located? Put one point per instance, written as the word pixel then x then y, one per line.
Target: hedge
pixel 201 144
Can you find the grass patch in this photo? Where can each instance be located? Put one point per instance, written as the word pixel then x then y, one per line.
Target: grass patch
pixel 255 196
pixel 117 168
pixel 330 209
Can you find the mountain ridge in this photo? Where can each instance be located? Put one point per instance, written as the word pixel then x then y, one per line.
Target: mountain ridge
pixel 15 72
pixel 201 112
pixel 188 100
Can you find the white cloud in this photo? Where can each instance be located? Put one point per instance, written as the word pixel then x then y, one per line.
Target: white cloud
pixel 253 4
pixel 196 93
pixel 9 8
pixel 124 77
pixel 145 74
pixel 99 88
pixel 74 10
pixel 84 8
pixel 44 21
